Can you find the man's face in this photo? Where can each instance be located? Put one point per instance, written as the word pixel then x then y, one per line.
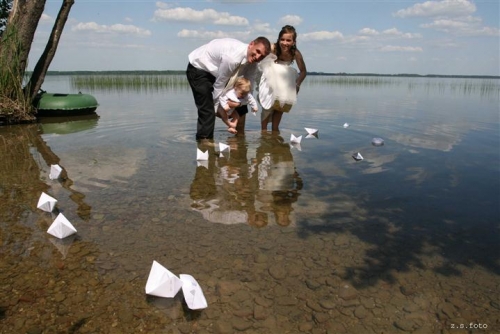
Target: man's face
pixel 256 52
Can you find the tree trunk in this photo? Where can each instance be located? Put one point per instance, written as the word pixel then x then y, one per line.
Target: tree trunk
pixel 18 36
pixel 48 54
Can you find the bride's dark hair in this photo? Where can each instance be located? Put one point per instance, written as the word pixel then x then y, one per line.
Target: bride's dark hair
pixel 286 30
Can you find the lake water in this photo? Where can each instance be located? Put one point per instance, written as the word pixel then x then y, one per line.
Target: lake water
pixel 281 238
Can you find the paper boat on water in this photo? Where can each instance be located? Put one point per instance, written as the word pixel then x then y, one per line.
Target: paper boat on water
pixel 61 227
pixel 311 131
pixel 377 141
pixel 346 125
pixel 46 203
pixel 161 282
pixel 224 147
pixel 357 156
pixel 55 172
pixel 294 139
pixel 200 155
pixel 193 295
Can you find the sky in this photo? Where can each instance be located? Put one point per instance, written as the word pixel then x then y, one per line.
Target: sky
pixel 449 37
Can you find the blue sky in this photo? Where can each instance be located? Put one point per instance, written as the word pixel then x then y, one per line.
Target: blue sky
pixel 422 37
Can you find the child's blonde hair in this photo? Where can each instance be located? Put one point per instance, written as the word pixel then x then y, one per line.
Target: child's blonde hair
pixel 243 84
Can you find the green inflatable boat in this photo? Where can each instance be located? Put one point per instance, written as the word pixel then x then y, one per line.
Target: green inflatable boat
pixel 56 104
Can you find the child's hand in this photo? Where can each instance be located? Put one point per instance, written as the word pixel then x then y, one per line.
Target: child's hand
pixel 232 130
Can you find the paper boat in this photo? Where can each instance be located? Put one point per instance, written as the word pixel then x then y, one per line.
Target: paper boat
pixel 346 125
pixel 357 156
pixel 200 155
pixel 193 295
pixel 55 172
pixel 61 227
pixel 223 147
pixel 311 131
pixel 294 139
pixel 377 142
pixel 46 202
pixel 161 282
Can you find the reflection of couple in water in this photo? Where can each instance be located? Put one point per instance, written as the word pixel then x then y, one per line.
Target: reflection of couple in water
pixel 236 189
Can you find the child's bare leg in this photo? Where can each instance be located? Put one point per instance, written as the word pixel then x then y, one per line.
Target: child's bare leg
pixel 276 120
pixel 266 116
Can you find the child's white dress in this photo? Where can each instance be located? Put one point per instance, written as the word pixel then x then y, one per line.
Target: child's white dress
pixel 277 86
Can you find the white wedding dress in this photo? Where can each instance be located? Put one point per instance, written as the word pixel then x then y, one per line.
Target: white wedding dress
pixel 277 85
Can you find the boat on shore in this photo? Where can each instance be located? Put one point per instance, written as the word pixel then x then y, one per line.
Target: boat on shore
pixel 59 104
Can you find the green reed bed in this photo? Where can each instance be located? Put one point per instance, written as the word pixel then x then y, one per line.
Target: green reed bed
pixel 137 83
pixel 484 87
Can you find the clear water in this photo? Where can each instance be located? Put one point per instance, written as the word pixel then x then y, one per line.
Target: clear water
pixel 282 238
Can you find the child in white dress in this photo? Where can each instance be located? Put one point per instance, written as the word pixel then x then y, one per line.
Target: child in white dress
pixel 240 93
pixel 280 82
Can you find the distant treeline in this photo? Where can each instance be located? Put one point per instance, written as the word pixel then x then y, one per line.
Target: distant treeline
pixel 308 73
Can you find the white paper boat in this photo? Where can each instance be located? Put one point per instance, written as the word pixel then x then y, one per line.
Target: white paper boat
pixel 346 125
pixel 55 172
pixel 357 156
pixel 61 227
pixel 377 141
pixel 161 282
pixel 46 202
pixel 223 147
pixel 311 131
pixel 294 139
pixel 193 295
pixel 200 155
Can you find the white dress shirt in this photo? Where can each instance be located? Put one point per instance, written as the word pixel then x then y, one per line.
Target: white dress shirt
pixel 221 58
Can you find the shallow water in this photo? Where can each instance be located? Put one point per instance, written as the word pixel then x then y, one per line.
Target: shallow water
pixel 281 238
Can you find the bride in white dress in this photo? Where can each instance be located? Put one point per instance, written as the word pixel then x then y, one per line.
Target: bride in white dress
pixel 280 82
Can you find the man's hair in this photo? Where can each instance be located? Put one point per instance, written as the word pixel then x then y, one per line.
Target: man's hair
pixel 264 41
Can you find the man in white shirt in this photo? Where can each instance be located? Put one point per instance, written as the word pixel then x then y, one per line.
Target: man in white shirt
pixel 210 68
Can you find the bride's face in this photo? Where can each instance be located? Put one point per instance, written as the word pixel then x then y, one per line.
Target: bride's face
pixel 286 42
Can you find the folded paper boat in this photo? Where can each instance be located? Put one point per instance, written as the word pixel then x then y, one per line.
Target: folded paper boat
pixel 377 141
pixel 311 131
pixel 55 172
pixel 294 139
pixel 200 155
pixel 61 227
pixel 46 203
pixel 193 295
pixel 357 156
pixel 346 125
pixel 161 282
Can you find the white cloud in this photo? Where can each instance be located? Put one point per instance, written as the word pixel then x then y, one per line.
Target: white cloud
pixel 209 35
pixel 438 8
pixel 396 33
pixel 46 19
pixel 465 27
pixel 115 28
pixel 321 35
pixel 368 31
pixel 185 14
pixel 263 28
pixel 293 20
pixel 393 48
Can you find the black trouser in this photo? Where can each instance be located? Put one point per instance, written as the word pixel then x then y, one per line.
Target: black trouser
pixel 202 85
